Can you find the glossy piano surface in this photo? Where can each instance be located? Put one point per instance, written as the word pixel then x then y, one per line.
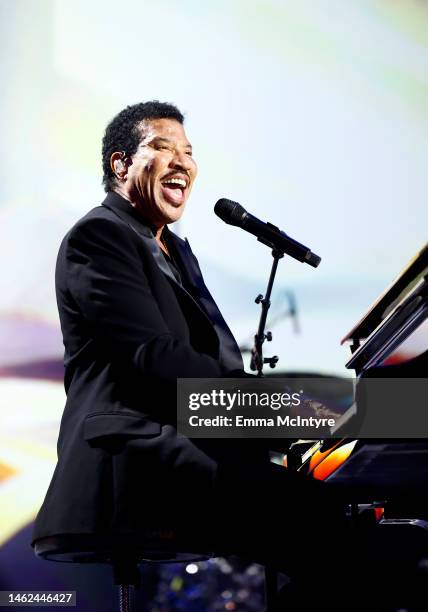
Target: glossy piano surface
pixel 402 285
pixel 395 315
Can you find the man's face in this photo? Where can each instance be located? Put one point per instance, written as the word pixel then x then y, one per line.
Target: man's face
pixel 161 173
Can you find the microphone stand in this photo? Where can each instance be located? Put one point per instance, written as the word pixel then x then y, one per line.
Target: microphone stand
pixel 257 359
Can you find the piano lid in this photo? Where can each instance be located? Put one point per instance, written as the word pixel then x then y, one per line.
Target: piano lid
pixel 416 269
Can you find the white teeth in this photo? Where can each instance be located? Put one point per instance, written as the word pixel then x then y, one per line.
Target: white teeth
pixel 176 181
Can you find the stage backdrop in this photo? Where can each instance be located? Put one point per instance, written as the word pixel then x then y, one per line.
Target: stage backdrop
pixel 312 115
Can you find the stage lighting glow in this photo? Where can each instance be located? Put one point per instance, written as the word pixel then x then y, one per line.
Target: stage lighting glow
pixel 30 411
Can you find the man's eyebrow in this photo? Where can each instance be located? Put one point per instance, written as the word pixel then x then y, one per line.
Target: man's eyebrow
pixel 167 140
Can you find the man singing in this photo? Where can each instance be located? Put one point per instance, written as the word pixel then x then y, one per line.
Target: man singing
pixel 135 316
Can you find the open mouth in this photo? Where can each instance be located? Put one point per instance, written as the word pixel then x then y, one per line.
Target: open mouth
pixel 174 190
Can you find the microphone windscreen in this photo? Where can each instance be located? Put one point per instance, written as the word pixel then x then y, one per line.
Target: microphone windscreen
pixel 229 211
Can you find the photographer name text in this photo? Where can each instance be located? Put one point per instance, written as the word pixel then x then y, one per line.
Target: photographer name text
pixel 240 420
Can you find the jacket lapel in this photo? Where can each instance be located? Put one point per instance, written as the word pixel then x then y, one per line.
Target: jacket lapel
pixel 230 353
pixel 123 209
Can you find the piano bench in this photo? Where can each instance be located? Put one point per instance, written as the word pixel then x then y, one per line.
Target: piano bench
pixel 126 553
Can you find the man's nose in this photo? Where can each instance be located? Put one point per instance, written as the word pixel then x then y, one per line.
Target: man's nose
pixel 181 160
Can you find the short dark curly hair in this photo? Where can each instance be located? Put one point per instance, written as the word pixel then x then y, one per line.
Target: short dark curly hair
pixel 123 134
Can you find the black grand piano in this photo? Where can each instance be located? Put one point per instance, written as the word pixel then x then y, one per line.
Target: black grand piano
pixel 375 342
pixel 387 477
pixel 396 467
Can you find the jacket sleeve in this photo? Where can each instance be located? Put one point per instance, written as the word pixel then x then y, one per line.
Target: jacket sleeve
pixel 106 279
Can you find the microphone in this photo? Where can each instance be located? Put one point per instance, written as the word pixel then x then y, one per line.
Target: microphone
pixel 235 214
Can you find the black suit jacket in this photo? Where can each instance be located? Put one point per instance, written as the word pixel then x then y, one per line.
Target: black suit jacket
pixel 130 330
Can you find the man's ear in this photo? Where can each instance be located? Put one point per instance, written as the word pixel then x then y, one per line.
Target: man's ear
pixel 119 164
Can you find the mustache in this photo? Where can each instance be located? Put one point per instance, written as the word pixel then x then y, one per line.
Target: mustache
pixel 181 172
